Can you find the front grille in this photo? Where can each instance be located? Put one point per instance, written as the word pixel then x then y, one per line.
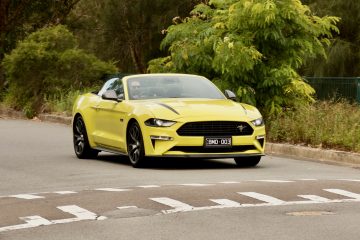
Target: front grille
pixel 186 149
pixel 215 128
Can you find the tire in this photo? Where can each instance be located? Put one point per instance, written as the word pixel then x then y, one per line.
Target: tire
pixel 247 161
pixel 81 142
pixel 135 145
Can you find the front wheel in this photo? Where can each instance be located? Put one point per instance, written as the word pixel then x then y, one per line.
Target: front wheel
pixel 81 143
pixel 247 161
pixel 135 145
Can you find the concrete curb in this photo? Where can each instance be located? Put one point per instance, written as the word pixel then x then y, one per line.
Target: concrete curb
pixel 315 154
pixel 277 149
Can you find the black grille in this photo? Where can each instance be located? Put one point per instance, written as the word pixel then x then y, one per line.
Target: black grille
pixel 215 128
pixel 186 149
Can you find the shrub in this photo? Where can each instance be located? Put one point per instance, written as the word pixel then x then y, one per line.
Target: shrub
pixel 46 62
pixel 323 124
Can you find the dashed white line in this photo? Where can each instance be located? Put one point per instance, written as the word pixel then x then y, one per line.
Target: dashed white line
pixel 26 196
pixel 149 186
pixel 36 221
pixel 226 202
pixel 344 193
pixel 196 184
pixel 350 180
pixel 275 181
pixel 126 207
pixel 177 205
pixel 229 182
pixel 65 192
pixel 263 197
pixel 315 198
pixel 113 189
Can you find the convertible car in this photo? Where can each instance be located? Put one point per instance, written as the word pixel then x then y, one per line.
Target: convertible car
pixel 147 116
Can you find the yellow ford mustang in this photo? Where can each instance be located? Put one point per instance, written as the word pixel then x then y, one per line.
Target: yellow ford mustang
pixel 167 115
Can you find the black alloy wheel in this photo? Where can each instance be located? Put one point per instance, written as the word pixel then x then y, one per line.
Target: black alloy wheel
pixel 81 143
pixel 247 161
pixel 135 145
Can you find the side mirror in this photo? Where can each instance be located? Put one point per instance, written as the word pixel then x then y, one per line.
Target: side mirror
pixel 110 95
pixel 230 95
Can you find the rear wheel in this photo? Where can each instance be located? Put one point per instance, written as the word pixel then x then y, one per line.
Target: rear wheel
pixel 247 161
pixel 81 143
pixel 135 145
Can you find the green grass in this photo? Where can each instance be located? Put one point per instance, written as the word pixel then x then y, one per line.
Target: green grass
pixel 62 102
pixel 334 125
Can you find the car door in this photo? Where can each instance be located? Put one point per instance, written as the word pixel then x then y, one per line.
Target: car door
pixel 109 119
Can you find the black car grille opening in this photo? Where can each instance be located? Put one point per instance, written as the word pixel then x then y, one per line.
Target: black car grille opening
pixel 215 128
pixel 187 149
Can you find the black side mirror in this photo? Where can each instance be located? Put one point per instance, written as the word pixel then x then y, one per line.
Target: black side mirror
pixel 111 95
pixel 230 95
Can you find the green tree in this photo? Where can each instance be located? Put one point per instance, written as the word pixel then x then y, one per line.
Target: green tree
pixel 50 62
pixel 126 31
pixel 344 52
pixel 18 18
pixel 255 47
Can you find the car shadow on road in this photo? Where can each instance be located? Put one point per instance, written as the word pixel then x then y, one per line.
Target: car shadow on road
pixel 173 163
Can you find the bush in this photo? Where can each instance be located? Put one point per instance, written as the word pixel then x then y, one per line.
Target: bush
pixel 46 62
pixel 323 124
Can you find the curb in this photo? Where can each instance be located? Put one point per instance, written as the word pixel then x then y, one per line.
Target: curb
pixel 276 149
pixel 313 154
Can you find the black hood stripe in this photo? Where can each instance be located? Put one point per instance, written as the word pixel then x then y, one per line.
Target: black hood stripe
pixel 168 107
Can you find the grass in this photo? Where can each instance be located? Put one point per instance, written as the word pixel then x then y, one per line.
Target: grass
pixel 334 125
pixel 62 102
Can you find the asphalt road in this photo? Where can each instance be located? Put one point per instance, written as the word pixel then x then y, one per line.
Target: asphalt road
pixel 47 193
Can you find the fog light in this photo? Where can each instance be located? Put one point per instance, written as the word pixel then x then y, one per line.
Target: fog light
pixel 162 138
pixel 260 137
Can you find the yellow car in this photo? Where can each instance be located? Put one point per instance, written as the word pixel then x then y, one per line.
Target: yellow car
pixel 167 115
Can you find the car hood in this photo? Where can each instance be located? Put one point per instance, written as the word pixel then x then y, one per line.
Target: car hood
pixel 172 109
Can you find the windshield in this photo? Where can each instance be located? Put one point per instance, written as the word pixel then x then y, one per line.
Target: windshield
pixel 187 86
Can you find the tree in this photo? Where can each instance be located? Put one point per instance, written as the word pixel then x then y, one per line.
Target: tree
pixel 254 47
pixel 344 52
pixel 18 18
pixel 127 31
pixel 50 62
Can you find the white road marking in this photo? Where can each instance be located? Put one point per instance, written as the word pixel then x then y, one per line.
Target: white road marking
pixel 177 205
pixel 126 207
pixel 64 192
pixel 226 202
pixel 350 180
pixel 196 184
pixel 149 186
pixel 263 197
pixel 315 198
pixel 344 193
pixel 307 179
pixel 229 182
pixel 113 189
pixel 79 213
pixel 36 221
pixel 31 222
pixel 275 181
pixel 26 196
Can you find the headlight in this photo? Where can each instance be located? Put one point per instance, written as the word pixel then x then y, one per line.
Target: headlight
pixel 258 122
pixel 154 122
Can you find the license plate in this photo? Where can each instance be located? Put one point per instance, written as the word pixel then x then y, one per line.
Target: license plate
pixel 218 142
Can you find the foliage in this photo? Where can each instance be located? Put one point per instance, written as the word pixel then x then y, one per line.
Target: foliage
pixel 324 124
pixel 254 46
pixel 126 31
pixel 18 18
pixel 344 52
pixel 50 61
